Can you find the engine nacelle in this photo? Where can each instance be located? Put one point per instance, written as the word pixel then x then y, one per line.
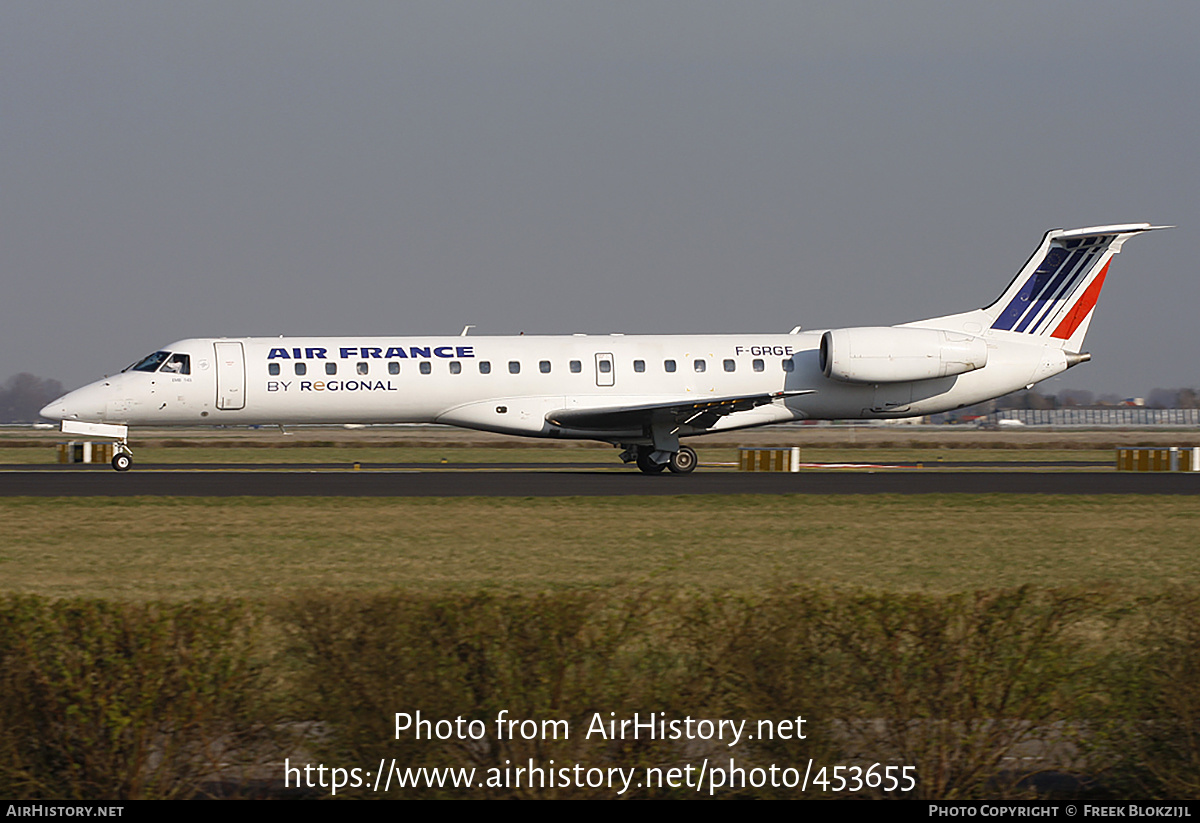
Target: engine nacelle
pixel 897 355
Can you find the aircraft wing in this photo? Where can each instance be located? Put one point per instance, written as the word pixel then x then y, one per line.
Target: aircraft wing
pixel 702 414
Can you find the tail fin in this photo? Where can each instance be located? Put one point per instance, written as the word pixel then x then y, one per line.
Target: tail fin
pixel 1055 292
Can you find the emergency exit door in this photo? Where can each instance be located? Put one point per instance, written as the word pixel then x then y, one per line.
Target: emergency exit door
pixel 604 369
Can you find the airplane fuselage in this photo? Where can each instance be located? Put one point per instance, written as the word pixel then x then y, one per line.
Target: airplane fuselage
pixel 511 384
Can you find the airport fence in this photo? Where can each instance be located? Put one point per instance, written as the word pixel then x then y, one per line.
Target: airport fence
pixel 1118 416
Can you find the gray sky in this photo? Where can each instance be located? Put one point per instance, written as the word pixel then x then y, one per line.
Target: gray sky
pixel 231 168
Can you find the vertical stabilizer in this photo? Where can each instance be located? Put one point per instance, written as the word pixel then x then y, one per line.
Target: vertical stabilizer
pixel 1055 293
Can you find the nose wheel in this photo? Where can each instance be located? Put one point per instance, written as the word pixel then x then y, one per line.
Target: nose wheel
pixel 122 459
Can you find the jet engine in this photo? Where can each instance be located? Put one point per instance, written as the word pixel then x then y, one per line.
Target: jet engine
pixel 894 355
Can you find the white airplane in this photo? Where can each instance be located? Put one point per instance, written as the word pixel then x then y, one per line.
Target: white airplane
pixel 641 393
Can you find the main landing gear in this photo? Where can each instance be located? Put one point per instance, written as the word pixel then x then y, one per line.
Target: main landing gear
pixel 646 464
pixel 122 457
pixel 681 462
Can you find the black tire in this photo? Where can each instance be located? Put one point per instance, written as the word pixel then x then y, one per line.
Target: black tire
pixel 647 465
pixel 122 462
pixel 683 461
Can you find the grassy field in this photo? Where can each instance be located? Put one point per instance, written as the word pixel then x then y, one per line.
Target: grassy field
pixel 150 548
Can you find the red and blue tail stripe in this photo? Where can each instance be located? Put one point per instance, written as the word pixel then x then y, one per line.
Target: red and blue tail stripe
pixel 1058 280
pixel 1082 308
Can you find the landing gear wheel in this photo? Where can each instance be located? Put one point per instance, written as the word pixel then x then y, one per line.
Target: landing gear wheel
pixel 122 462
pixel 647 465
pixel 683 461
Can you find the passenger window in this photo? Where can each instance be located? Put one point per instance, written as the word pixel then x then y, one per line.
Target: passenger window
pixel 393 368
pixel 544 367
pixel 361 368
pixel 455 367
pixel 485 367
pixel 639 366
pixel 576 366
pixel 701 365
pixel 426 367
pixel 605 366
pixel 730 365
pixel 514 367
pixel 273 368
pixel 669 365
pixel 301 369
pixel 789 365
pixel 759 365
pixel 331 368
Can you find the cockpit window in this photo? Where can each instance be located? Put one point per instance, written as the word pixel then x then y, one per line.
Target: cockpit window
pixel 170 363
pixel 150 363
pixel 178 364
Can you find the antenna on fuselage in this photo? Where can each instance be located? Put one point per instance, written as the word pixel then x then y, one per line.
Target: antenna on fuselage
pixel 796 330
pixel 466 329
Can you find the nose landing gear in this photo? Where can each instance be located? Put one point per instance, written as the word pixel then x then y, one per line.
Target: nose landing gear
pixel 122 457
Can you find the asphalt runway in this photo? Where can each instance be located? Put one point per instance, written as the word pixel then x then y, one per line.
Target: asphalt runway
pixel 102 482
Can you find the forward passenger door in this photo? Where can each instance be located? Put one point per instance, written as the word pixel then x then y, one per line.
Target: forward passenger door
pixel 231 376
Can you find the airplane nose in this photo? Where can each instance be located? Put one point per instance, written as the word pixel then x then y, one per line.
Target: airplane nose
pixel 87 404
pixel 54 411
